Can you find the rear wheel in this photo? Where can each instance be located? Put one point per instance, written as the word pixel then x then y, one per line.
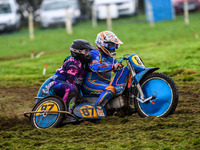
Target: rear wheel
pixel 47 120
pixel 165 92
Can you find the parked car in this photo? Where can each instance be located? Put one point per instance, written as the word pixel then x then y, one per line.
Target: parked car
pixel 53 12
pixel 117 8
pixel 10 18
pixel 193 5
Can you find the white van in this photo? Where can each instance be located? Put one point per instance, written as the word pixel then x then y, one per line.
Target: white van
pixel 10 19
pixel 117 8
pixel 53 12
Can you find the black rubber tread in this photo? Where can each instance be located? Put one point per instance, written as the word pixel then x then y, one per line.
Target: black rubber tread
pixel 174 92
pixel 60 117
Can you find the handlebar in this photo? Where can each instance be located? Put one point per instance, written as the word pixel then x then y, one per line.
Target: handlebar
pixel 120 61
pixel 123 58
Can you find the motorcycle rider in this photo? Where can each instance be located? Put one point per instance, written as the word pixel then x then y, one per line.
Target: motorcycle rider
pixel 97 81
pixel 69 77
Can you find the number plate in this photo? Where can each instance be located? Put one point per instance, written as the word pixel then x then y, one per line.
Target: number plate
pixel 88 111
pixel 137 60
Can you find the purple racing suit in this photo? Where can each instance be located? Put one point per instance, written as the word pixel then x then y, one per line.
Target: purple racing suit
pixel 67 80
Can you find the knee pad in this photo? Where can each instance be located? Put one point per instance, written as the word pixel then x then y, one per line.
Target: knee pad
pixel 112 89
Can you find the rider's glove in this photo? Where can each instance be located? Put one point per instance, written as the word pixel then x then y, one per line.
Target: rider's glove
pixel 118 66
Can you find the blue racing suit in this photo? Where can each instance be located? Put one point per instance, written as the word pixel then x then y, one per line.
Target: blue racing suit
pixel 97 80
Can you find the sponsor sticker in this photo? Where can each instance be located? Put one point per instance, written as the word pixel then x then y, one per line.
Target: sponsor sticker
pixel 100 111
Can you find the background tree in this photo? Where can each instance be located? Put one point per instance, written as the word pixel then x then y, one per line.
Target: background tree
pixel 85 6
pixel 26 6
pixel 29 5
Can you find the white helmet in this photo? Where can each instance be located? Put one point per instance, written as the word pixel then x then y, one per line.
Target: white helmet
pixel 107 41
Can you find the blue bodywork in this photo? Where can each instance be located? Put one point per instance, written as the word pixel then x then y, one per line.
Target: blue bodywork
pixel 41 92
pixel 120 80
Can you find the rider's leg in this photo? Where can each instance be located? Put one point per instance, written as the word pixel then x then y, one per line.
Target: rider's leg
pixel 65 90
pixel 104 91
pixel 107 94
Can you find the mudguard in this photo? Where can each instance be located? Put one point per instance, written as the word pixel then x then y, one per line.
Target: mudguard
pixel 141 74
pixel 90 111
pixel 57 97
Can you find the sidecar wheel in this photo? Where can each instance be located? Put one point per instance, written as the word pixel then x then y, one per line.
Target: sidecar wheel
pixel 164 89
pixel 42 120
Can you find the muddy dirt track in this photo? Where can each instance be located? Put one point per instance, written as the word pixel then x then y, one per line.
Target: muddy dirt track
pixel 14 101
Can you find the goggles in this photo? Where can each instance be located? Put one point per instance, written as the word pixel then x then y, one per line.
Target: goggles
pixel 111 45
pixel 84 51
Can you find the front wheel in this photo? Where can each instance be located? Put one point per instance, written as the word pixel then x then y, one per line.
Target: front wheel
pixel 165 93
pixel 41 120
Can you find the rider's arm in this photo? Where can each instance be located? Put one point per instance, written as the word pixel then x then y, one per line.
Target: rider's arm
pixel 96 65
pixel 79 78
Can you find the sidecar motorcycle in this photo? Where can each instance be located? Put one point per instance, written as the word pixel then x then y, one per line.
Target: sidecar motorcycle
pixel 138 87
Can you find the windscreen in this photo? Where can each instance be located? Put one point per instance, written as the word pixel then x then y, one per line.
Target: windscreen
pixel 5 9
pixel 59 5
